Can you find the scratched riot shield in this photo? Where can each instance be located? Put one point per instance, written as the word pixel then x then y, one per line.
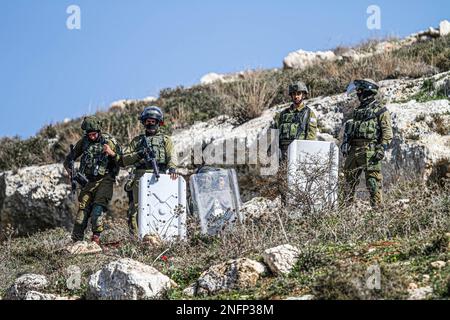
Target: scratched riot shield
pixel 216 200
pixel 162 207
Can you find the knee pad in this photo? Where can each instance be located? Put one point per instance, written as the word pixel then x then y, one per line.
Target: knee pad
pixel 97 210
pixel 372 185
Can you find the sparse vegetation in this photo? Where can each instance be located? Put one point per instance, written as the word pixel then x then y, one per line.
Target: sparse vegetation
pixel 244 99
pixel 337 247
pixel 247 99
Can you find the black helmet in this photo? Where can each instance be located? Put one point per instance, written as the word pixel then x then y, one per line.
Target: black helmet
pixel 152 112
pixel 91 124
pixel 367 85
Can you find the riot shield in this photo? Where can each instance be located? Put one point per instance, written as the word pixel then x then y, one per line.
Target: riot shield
pixel 216 200
pixel 162 207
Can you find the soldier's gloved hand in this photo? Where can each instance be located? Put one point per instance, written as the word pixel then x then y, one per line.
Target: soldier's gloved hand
pixel 141 153
pixel 379 153
pixel 173 174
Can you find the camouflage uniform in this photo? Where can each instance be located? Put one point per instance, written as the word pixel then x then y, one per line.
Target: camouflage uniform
pixel 163 148
pixel 369 135
pixel 101 171
pixel 295 123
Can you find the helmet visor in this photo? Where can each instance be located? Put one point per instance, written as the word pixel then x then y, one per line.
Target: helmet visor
pixel 351 89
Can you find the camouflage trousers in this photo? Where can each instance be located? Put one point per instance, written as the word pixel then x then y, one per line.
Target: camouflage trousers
pixel 93 201
pixel 359 160
pixel 132 189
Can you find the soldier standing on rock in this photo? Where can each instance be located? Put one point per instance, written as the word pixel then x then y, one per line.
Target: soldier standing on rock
pixel 134 155
pixel 367 136
pixel 99 165
pixel 298 122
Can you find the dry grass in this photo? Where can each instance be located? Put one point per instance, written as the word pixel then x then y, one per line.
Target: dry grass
pixel 248 99
pixel 332 242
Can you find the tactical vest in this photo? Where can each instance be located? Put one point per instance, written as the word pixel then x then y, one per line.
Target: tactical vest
pixel 294 124
pixel 94 162
pixel 158 146
pixel 365 124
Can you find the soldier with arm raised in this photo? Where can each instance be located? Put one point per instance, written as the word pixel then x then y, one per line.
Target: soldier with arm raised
pixel 99 167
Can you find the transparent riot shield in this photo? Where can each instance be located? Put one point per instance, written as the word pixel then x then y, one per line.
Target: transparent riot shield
pixel 313 174
pixel 162 207
pixel 216 200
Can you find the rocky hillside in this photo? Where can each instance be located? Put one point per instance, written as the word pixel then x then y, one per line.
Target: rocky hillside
pixel 37 198
pixel 276 253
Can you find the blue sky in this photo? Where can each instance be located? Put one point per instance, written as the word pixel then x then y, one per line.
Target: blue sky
pixel 132 49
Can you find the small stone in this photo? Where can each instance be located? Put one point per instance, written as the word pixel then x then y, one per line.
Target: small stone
pixel 153 240
pixel 281 259
pixel 38 296
pixel 301 298
pixel 233 274
pixel 24 284
pixel 127 279
pixel 444 28
pixel 84 247
pixel 191 290
pixel 420 293
pixel 438 264
pixel 302 59
pixel 413 286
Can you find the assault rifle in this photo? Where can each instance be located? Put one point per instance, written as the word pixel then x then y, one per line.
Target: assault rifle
pixel 75 177
pixel 348 130
pixel 150 159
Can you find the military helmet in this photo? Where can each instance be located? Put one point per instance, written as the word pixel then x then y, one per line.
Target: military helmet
pixel 363 84
pixel 91 124
pixel 298 86
pixel 152 112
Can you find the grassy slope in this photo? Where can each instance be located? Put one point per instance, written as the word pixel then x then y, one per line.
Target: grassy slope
pixel 337 247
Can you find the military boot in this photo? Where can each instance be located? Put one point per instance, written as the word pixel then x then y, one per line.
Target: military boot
pixel 80 226
pixel 96 238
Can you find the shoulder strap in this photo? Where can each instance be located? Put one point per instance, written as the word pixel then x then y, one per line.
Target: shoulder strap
pixel 377 114
pixel 85 145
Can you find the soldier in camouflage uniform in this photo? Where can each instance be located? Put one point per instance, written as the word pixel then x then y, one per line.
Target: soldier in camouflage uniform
pixel 99 154
pixel 152 118
pixel 367 136
pixel 298 122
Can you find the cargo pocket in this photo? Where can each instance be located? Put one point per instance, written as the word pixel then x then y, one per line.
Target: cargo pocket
pixel 371 130
pixel 371 163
